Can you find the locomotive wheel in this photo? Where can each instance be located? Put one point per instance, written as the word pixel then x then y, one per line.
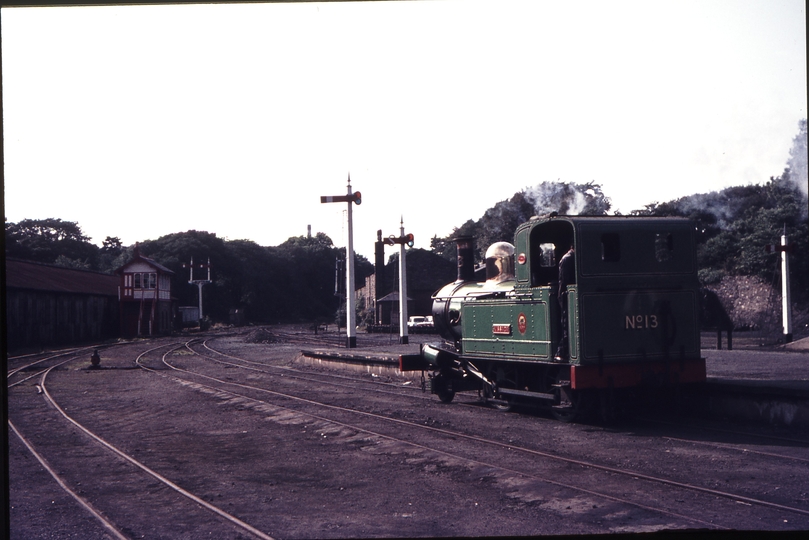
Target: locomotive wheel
pixel 575 412
pixel 441 388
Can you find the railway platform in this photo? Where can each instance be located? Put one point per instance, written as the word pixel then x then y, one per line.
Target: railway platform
pixel 763 384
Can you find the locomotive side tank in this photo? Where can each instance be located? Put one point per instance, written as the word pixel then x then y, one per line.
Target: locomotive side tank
pixel 632 317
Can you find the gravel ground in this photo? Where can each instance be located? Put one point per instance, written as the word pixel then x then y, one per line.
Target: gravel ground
pixel 294 475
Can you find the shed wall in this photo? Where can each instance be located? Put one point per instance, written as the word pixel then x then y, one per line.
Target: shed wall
pixel 44 318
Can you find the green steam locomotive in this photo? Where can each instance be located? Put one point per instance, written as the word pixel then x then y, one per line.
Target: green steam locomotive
pixel 577 311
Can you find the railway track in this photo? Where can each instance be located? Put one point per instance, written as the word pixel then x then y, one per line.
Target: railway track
pixel 746 439
pixel 534 463
pixel 733 496
pixel 94 480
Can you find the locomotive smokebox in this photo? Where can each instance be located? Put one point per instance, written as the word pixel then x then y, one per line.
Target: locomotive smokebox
pixel 466 258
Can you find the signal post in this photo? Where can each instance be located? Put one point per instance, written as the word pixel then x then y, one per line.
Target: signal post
pixel 351 316
pixel 786 306
pixel 199 282
pixel 402 240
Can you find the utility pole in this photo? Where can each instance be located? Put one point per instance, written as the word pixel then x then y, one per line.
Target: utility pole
pixel 402 240
pixel 351 316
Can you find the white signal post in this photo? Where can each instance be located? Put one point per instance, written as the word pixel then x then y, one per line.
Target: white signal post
pixel 351 317
pixel 786 311
pixel 403 338
pixel 402 241
pixel 199 282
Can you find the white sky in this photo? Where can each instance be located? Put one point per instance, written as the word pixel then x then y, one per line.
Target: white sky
pixel 141 121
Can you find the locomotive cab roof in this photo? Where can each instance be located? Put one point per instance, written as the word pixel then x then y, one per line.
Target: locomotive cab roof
pixel 606 247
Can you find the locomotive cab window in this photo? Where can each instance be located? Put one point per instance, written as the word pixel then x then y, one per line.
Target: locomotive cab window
pixel 664 247
pixel 610 247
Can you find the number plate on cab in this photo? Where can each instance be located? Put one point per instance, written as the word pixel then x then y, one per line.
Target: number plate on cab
pixel 501 329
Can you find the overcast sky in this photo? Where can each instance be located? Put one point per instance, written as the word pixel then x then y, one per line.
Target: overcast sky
pixel 141 121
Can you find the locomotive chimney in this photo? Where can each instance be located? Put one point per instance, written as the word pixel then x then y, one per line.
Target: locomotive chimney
pixel 466 258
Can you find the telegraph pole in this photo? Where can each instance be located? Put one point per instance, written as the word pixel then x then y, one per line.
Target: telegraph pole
pixel 402 240
pixel 351 316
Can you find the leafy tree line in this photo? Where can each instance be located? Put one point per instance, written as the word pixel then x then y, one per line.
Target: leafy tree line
pixel 499 222
pixel 287 283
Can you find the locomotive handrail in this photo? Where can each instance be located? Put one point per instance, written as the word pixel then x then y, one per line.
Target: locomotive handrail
pixel 476 295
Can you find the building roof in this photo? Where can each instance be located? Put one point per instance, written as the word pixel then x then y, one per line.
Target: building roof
pixel 45 277
pixel 392 297
pixel 140 258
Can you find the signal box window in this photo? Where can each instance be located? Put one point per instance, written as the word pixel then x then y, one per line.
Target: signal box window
pixel 145 280
pixel 610 247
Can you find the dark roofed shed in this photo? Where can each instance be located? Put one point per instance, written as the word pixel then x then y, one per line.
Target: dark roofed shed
pixel 49 305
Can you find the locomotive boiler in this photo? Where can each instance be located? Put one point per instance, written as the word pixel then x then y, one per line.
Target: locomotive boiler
pixel 626 317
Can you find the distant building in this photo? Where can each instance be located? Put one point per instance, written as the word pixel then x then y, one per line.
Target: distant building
pixel 50 305
pixel 426 273
pixel 145 301
pixel 388 307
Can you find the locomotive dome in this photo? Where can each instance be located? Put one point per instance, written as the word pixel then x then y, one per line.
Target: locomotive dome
pixel 500 262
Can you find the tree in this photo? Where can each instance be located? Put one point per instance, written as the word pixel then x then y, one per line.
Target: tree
pixel 51 229
pixel 310 276
pixel 499 223
pixel 112 244
pixel 50 241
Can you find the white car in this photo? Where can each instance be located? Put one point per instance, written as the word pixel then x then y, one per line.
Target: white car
pixel 420 321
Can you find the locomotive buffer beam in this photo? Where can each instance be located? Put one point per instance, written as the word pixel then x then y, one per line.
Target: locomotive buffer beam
pixel 413 362
pixel 431 358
